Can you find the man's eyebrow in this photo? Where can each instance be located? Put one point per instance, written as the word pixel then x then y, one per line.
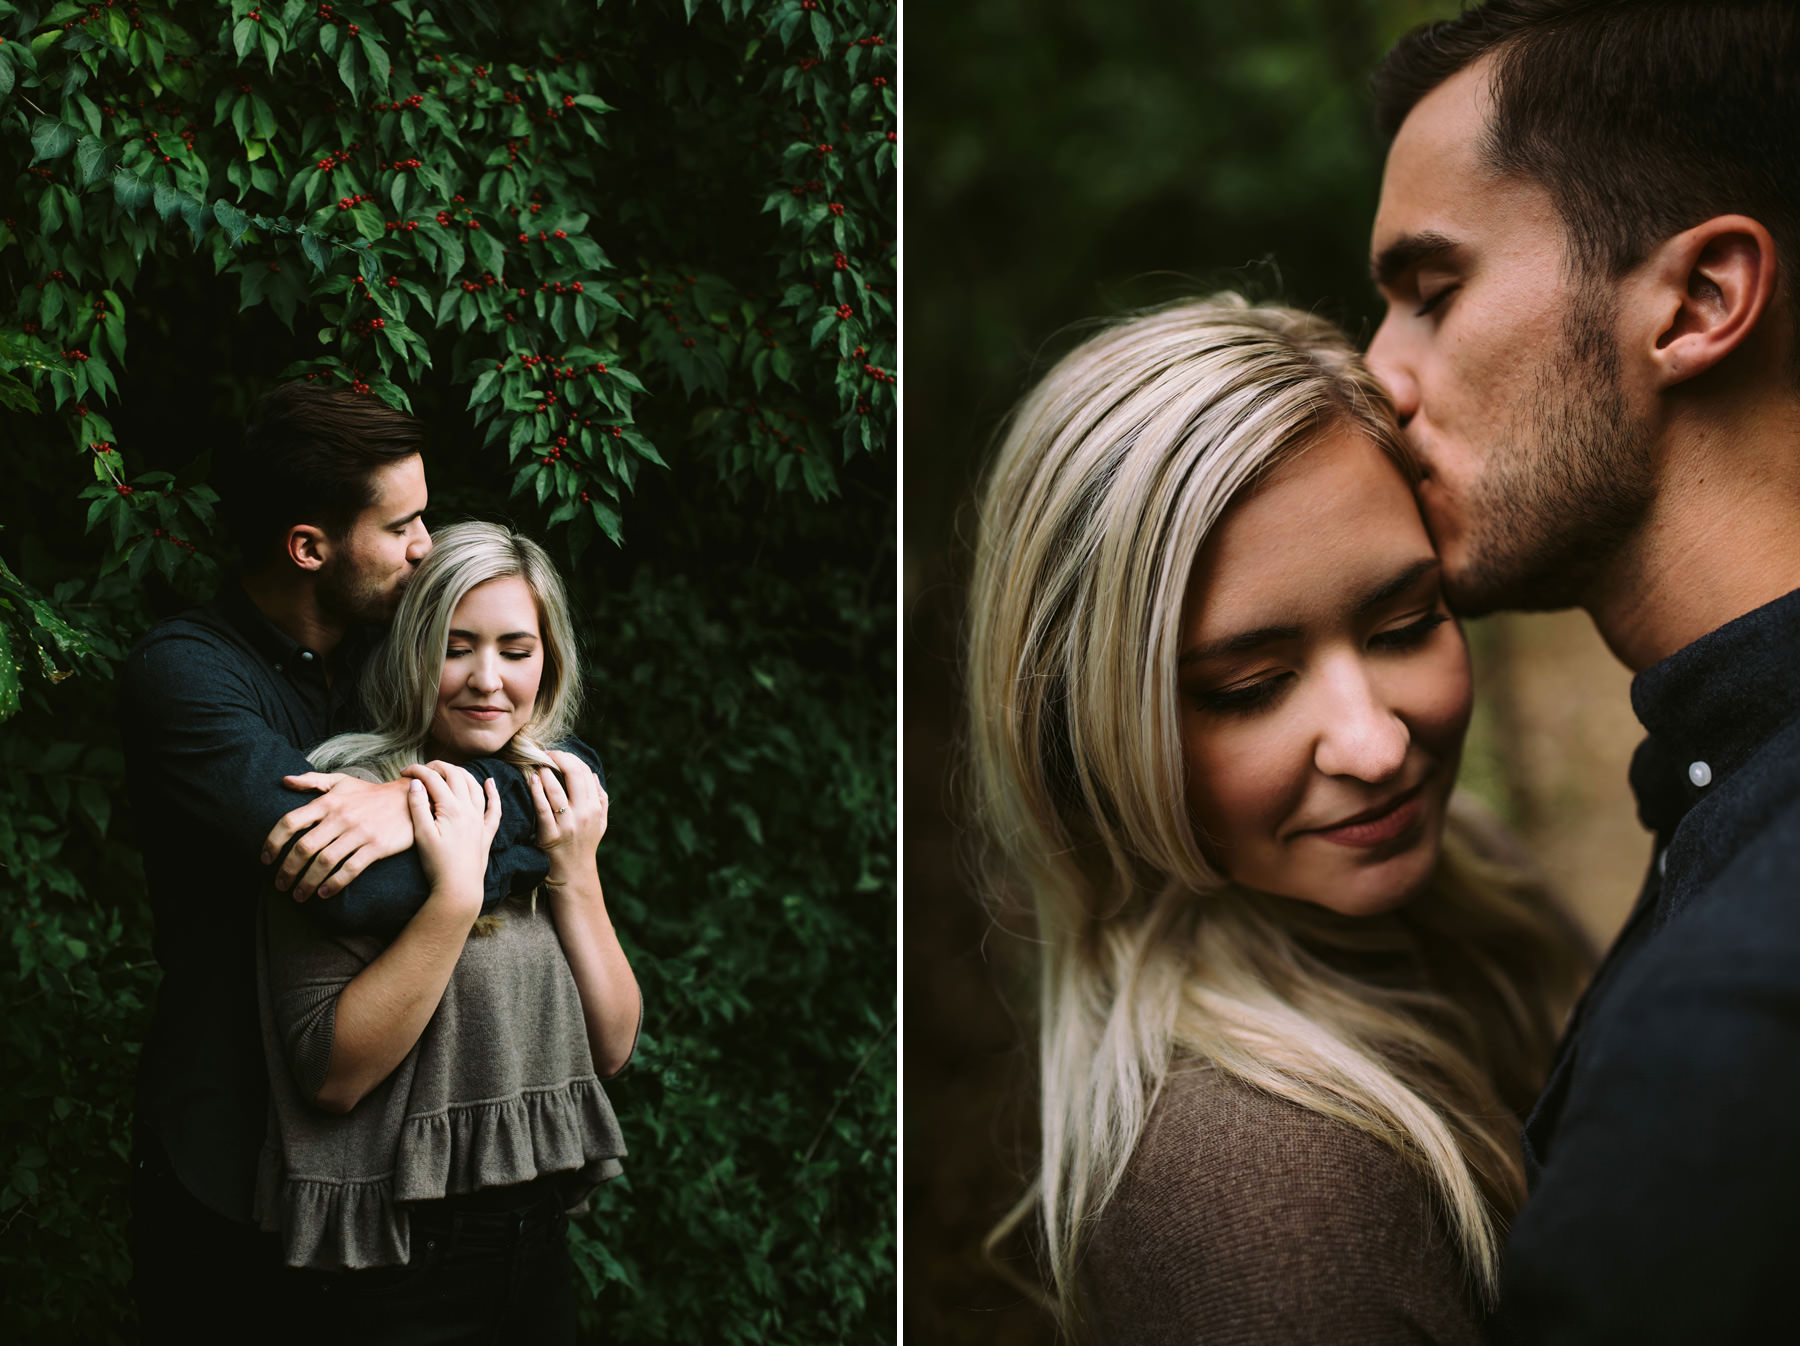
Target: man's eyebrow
pixel 510 635
pixel 401 523
pixel 1245 641
pixel 1406 252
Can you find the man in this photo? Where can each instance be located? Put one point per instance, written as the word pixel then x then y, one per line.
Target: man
pixel 1589 241
pixel 219 705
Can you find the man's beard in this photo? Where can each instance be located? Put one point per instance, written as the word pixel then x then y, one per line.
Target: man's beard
pixel 1564 491
pixel 355 599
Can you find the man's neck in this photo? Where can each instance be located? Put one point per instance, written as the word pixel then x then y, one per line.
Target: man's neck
pixel 1721 540
pixel 291 604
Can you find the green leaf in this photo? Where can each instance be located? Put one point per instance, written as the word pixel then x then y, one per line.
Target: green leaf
pixel 368 221
pixel 168 200
pixel 130 190
pixel 232 220
pixel 243 37
pixel 378 61
pixel 352 69
pixel 92 159
pixel 314 248
pixel 487 250
pixel 51 139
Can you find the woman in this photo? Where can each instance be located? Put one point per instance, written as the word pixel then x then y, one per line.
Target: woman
pixel 1293 1000
pixel 436 1099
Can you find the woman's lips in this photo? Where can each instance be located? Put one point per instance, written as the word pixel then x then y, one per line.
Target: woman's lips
pixel 480 713
pixel 1382 828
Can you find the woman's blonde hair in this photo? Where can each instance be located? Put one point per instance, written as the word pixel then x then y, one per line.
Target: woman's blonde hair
pixel 1112 473
pixel 400 681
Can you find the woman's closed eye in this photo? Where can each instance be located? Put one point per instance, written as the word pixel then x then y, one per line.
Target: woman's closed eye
pixel 1412 635
pixel 1242 697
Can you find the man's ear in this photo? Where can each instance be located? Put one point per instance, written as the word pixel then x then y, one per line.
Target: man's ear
pixel 1710 286
pixel 307 546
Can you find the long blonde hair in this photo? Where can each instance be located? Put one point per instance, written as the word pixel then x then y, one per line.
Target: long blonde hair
pixel 1111 475
pixel 400 680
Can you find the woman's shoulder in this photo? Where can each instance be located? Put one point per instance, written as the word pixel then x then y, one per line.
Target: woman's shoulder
pixel 1244 1217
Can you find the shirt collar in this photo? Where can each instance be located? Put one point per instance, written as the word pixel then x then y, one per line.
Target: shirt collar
pixel 1711 705
pixel 278 647
pixel 266 638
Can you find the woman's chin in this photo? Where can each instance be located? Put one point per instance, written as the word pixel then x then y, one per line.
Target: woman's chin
pixel 461 743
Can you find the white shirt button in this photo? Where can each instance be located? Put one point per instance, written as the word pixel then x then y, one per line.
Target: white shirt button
pixel 1700 773
pixel 306 655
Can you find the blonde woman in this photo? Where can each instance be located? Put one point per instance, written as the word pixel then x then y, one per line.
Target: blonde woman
pixel 1293 1000
pixel 436 1100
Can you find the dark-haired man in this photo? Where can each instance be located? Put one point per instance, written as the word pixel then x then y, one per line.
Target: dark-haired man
pixel 325 500
pixel 1589 243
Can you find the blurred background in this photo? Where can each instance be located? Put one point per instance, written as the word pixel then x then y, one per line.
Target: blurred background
pixel 1068 159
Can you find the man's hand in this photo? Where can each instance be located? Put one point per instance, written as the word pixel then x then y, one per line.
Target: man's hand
pixel 340 834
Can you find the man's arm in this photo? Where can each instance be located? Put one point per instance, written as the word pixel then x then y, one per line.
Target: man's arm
pixel 196 732
pixel 1665 1209
pixel 515 864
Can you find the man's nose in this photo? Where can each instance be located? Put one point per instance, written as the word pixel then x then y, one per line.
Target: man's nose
pixel 1385 361
pixel 1359 735
pixel 419 546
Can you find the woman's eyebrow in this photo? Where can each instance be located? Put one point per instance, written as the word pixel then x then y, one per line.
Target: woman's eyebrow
pixel 510 635
pixel 1241 643
pixel 1245 641
pixel 1398 585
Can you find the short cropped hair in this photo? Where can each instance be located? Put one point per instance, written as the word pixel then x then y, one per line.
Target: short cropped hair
pixel 309 455
pixel 1641 118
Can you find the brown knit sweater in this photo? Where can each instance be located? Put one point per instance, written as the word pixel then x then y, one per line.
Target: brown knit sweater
pixel 1246 1220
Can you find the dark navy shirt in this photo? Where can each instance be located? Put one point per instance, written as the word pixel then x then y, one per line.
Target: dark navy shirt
pixel 218 705
pixel 1665 1153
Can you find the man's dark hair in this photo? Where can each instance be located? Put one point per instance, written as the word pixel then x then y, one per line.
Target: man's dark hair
pixel 309 456
pixel 1641 118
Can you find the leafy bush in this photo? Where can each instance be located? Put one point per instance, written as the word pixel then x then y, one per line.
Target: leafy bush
pixel 634 266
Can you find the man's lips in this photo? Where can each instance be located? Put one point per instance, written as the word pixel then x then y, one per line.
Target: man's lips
pixel 1378 825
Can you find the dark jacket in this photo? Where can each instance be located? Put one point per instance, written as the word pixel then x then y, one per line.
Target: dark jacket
pixel 1665 1152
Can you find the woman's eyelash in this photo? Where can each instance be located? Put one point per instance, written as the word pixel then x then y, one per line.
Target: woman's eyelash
pixel 1413 633
pixel 1248 697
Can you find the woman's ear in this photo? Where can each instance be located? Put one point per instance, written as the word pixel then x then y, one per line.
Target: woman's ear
pixel 1709 287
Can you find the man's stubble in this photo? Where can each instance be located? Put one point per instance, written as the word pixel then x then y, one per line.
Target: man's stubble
pixel 1568 481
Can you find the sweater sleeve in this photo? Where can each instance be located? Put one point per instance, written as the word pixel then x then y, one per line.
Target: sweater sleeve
pixel 308 970
pixel 1244 1219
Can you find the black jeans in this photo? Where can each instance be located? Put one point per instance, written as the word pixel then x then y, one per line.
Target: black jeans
pixel 494 1271
pixel 196 1275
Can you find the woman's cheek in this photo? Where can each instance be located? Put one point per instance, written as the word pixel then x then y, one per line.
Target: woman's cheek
pixel 1242 784
pixel 1442 695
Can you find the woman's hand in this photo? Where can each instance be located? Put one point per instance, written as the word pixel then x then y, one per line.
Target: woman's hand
pixel 571 814
pixel 454 819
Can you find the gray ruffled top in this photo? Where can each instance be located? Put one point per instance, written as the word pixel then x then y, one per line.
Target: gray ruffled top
pixel 500 1089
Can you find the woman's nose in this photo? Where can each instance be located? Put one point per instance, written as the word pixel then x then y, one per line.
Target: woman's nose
pixel 1360 735
pixel 484 675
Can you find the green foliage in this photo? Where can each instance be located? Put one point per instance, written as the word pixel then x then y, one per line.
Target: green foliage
pixel 634 265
